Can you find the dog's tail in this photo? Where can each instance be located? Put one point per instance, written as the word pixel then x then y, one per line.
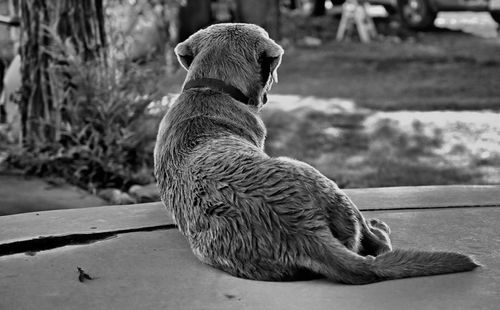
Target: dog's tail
pixel 410 263
pixel 343 265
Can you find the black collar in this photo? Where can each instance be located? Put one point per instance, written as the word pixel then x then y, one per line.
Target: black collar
pixel 221 86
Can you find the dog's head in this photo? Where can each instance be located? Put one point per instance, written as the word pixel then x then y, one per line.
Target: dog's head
pixel 241 55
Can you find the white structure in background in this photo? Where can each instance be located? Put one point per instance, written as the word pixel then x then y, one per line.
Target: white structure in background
pixel 355 14
pixel 12 76
pixel 11 86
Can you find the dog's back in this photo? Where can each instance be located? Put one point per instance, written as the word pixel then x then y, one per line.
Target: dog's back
pixel 202 128
pixel 202 120
pixel 210 169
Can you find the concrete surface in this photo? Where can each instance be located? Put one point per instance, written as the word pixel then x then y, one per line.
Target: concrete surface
pixel 36 225
pixel 26 226
pixel 156 270
pixel 417 197
pixel 19 194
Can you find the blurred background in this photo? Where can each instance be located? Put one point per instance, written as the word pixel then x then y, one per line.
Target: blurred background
pixel 85 84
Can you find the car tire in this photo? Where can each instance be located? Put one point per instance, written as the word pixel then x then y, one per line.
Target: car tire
pixel 390 9
pixel 416 14
pixel 338 2
pixel 496 16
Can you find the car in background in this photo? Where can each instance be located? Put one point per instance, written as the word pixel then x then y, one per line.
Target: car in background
pixel 420 14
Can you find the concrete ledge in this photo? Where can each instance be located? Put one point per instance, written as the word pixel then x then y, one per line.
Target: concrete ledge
pixel 138 260
pixel 156 270
pixel 26 226
pixel 419 197
pixel 95 220
pixel 35 194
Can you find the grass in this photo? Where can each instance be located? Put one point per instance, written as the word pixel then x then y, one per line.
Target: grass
pixel 429 74
pixel 445 70
pixel 438 71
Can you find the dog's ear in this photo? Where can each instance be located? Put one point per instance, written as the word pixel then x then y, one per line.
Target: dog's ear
pixel 184 53
pixel 270 59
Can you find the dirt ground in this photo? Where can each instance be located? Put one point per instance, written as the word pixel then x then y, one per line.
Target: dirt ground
pixel 418 111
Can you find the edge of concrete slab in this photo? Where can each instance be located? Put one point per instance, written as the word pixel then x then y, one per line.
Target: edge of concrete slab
pixel 50 229
pixel 21 194
pixel 87 221
pixel 157 270
pixel 423 197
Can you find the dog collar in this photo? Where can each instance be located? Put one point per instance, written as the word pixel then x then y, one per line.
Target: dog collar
pixel 221 86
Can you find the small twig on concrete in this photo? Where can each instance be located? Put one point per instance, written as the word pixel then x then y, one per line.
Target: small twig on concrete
pixel 82 275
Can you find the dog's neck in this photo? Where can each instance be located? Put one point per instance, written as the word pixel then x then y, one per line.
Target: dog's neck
pixel 223 87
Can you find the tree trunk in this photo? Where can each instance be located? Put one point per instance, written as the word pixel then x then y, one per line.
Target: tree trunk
pixel 183 21
pixel 319 8
pixel 72 23
pixel 265 13
pixel 196 14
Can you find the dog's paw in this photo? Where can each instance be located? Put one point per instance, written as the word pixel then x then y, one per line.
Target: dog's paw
pixel 380 225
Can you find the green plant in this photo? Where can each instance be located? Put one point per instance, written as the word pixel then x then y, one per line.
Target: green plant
pixel 101 139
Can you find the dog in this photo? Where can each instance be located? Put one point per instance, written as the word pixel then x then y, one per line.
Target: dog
pixel 251 215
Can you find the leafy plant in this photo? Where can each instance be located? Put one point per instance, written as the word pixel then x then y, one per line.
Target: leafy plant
pixel 104 136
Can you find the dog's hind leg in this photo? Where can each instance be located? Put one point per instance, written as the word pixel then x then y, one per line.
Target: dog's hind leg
pixel 375 238
pixel 366 237
pixel 371 237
